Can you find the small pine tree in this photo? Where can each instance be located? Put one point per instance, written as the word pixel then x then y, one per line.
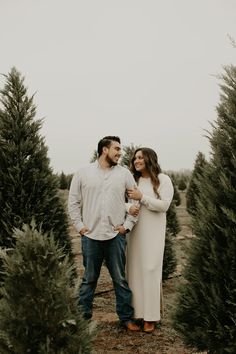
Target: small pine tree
pixel 169 260
pixel 177 176
pixel 38 307
pixel 173 225
pixel 27 185
pixel 206 307
pixel 182 185
pixel 69 178
pixel 172 229
pixel 63 183
pixel 194 189
pixel 94 157
pixel 128 154
pixel 176 197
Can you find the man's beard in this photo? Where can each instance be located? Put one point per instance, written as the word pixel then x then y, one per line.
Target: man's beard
pixel 110 161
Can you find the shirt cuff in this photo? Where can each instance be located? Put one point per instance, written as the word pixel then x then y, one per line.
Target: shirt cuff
pixel 128 225
pixel 79 226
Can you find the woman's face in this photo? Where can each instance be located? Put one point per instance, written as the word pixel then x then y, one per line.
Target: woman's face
pixel 139 163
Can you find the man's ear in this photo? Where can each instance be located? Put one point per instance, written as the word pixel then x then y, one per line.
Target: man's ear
pixel 104 149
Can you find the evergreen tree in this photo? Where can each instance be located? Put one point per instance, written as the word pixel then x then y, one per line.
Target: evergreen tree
pixel 169 260
pixel 182 185
pixel 206 309
pixel 176 197
pixel 194 189
pixel 128 154
pixel 69 178
pixel 27 185
pixel 177 176
pixel 38 306
pixel 94 157
pixel 173 225
pixel 63 182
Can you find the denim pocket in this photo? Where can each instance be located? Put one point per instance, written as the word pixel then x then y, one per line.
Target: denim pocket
pixel 123 237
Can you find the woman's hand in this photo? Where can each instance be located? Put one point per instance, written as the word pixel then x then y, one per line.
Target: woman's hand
pixel 120 229
pixel 134 194
pixel 134 210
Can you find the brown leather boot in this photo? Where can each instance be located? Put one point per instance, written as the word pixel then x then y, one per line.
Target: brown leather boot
pixel 131 326
pixel 148 327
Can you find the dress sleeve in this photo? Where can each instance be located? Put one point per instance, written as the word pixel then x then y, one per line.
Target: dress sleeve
pixel 162 203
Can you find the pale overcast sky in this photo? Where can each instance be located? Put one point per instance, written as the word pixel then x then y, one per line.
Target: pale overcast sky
pixel 141 69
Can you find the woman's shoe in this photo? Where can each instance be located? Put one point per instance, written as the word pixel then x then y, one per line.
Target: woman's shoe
pixel 130 326
pixel 148 327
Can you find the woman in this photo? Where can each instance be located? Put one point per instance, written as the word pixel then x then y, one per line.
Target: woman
pixel 147 240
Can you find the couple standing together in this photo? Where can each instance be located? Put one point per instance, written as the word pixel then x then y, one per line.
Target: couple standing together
pixel 129 237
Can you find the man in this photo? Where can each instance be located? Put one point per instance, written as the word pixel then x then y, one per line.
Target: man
pixel 97 209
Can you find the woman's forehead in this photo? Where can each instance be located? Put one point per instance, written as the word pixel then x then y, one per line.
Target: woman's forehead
pixel 139 154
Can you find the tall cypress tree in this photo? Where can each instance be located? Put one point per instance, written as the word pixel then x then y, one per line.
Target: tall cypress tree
pixel 194 188
pixel 28 187
pixel 206 309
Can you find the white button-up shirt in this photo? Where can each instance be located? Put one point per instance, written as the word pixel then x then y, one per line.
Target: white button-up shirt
pixel 97 200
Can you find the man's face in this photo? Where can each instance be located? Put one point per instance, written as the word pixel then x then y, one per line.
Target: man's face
pixel 113 153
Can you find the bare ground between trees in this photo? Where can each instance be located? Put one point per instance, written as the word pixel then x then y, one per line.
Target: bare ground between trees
pixel 111 338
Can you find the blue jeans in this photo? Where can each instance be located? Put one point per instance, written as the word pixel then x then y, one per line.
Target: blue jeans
pixel 113 252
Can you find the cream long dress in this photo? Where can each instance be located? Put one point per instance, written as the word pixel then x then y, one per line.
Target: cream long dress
pixel 145 248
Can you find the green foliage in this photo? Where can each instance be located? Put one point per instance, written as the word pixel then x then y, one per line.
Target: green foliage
pixel 64 180
pixel 69 179
pixel 177 176
pixel 27 185
pixel 194 187
pixel 182 185
pixel 169 260
pixel 128 154
pixel 38 307
pixel 206 310
pixel 176 197
pixel 94 157
pixel 173 225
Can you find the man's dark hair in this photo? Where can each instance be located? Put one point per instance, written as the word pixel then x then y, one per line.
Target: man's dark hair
pixel 106 141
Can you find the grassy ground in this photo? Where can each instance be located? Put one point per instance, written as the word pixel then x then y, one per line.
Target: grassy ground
pixel 111 338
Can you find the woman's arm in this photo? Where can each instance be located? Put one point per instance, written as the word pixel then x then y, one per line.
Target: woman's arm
pixel 161 204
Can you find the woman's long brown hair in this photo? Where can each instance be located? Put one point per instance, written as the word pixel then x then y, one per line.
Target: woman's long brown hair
pixel 152 166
